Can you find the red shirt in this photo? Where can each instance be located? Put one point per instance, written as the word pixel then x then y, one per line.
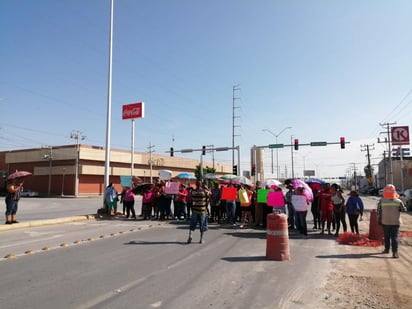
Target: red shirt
pixel 182 195
pixel 325 200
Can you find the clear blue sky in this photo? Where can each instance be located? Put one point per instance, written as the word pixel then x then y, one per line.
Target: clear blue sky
pixel 325 68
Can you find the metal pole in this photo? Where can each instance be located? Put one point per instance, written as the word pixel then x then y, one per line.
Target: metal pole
pixel 64 170
pixel 50 169
pixel 291 154
pixel 271 155
pixel 150 162
pixel 109 101
pixel 76 168
pixel 277 150
pixel 132 150
pixel 401 166
pixel 201 165
pixel 390 156
pixel 238 160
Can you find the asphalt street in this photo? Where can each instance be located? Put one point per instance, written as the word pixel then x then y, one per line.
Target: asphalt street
pixel 75 260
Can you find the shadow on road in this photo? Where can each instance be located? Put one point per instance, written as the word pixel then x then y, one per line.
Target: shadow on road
pixel 353 256
pixel 258 235
pixel 245 259
pixel 142 242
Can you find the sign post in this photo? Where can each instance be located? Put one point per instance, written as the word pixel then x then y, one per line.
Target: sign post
pixel 132 111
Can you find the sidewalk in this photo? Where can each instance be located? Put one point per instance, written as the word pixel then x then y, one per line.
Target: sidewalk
pixel 35 211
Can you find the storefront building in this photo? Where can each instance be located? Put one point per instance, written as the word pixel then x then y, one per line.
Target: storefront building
pixel 78 170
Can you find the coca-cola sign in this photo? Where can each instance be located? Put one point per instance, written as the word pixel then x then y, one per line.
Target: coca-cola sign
pixel 134 110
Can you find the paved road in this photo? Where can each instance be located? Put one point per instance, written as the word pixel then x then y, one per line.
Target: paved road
pixel 147 264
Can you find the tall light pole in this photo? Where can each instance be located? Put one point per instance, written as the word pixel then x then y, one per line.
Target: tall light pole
pixel 277 149
pixel 109 101
pixel 291 156
pixel 304 162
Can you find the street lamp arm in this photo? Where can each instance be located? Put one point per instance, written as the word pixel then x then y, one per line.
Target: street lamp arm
pixel 283 131
pixel 267 130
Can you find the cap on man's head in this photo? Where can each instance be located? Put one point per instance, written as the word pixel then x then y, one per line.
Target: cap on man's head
pixel 389 192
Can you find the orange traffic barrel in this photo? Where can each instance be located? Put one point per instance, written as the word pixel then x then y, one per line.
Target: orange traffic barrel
pixel 375 229
pixel 277 237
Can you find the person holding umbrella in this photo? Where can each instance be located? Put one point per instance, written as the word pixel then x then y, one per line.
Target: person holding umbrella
pixel 14 189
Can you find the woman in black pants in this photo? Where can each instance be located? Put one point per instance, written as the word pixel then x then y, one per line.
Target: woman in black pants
pixel 354 208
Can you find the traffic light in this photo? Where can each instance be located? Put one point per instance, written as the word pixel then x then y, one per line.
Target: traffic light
pixel 296 142
pixel 171 151
pixel 342 143
pixel 203 150
pixel 234 169
pixel 253 170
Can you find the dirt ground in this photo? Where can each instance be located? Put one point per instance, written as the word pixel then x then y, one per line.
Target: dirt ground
pixel 363 277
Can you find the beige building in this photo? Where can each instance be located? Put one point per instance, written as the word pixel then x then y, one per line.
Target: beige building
pixel 78 170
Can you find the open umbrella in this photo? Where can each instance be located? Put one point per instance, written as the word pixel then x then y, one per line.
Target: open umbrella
pixel 227 176
pixel 315 183
pixel 210 176
pixel 185 176
pixel 316 180
pixel 243 180
pixel 18 174
pixel 296 183
pixel 165 174
pixel 270 183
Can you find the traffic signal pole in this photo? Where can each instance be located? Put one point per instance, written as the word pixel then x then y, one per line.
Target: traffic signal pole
pixel 208 148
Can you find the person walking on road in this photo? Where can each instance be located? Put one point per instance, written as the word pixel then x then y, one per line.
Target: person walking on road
pixel 199 211
pixel 354 209
pixel 388 215
pixel 14 189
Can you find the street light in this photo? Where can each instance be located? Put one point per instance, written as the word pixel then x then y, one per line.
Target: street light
pixel 304 161
pixel 277 149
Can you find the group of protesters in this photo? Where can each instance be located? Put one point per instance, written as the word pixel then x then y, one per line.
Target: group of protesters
pixel 235 202
pixel 243 207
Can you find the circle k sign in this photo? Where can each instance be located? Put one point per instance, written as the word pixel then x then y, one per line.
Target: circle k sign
pixel 400 135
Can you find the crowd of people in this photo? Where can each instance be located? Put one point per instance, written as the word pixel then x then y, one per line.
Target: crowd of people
pixel 329 206
pixel 202 205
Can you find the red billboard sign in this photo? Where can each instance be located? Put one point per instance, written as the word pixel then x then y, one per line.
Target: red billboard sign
pixel 400 135
pixel 132 111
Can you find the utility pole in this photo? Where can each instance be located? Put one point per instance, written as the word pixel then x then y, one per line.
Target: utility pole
pixel 388 141
pixel 151 150
pixel 368 169
pixel 235 88
pixel 354 176
pixel 77 135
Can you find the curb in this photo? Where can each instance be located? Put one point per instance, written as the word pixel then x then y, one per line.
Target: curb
pixel 35 223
